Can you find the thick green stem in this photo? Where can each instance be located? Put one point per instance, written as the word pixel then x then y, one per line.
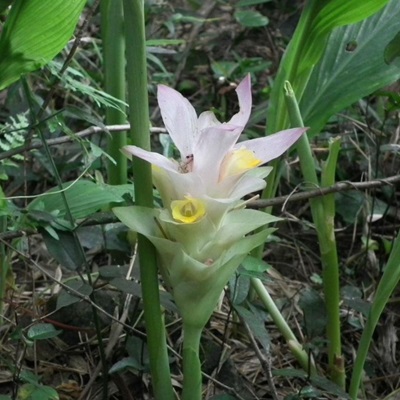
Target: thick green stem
pixel 191 363
pixel 114 84
pixel 139 120
pixel 323 220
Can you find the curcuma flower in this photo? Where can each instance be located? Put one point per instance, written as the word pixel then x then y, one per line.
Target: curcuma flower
pixel 202 233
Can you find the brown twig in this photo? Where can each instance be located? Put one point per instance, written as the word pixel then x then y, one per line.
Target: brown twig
pixel 65 139
pixel 107 218
pixel 343 186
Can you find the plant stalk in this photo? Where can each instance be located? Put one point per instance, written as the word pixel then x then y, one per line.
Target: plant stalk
pixel 192 383
pixel 139 121
pixel 114 84
pixel 324 223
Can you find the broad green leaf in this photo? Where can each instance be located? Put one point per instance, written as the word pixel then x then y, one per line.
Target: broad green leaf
pixel 64 249
pixel 342 76
pixel 84 198
pixel 42 331
pixel 34 33
pixel 334 14
pixel 251 18
pixel 318 20
pixel 344 12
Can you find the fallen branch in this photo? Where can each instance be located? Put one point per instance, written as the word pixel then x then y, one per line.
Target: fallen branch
pixel 107 218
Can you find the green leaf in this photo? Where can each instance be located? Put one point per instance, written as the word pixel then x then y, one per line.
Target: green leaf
pixel 67 298
pixel 42 331
pixel 314 312
pixel 29 391
pixel 84 198
pixel 329 387
pixel 318 20
pixel 64 249
pixel 34 33
pixel 251 18
pixel 343 76
pixel 334 14
pixel 239 286
pixel 124 364
pixel 256 324
pixel 135 289
pixel 254 264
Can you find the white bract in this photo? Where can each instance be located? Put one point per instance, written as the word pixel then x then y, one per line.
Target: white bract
pixel 201 235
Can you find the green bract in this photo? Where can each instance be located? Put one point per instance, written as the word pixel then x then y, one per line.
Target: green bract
pixel 197 266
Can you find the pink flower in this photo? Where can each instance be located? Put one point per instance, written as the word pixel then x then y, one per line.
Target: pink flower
pixel 212 163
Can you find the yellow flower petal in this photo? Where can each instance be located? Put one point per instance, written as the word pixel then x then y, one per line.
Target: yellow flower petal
pixel 188 211
pixel 237 162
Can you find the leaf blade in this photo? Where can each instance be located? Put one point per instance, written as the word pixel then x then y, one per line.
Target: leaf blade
pixel 27 46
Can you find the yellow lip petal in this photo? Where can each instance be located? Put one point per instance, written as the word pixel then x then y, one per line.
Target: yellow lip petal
pixel 237 162
pixel 188 211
